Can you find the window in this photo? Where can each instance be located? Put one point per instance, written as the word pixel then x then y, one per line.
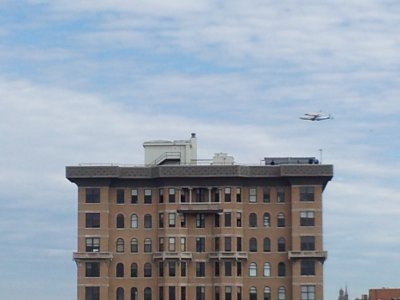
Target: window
pixel 92 220
pixel 161 269
pixel 280 195
pixel 307 218
pixel 200 293
pixel 266 195
pixel 267 269
pixel 307 267
pixel 120 221
pixel 253 245
pixel 200 269
pixel 120 196
pixel 161 293
pixel 183 221
pixel 216 268
pixel 183 268
pixel 92 195
pixel 134 221
pixel 253 293
pixel 92 269
pixel 227 194
pixel 171 244
pixel 307 193
pixel 134 196
pixel 217 293
pixel 281 269
pixel 120 245
pixel 227 219
pixel 171 195
pixel 119 270
pixel 227 268
pixel 215 195
pixel 147 293
pixel 267 293
pixel 238 219
pixel 147 221
pixel 216 220
pixel 239 293
pixel 238 268
pixel 134 245
pixel 147 245
pixel 134 294
pixel 252 270
pixel 161 244
pixel 200 220
pixel 92 293
pixel 171 219
pixel 161 195
pixel 238 195
pixel 228 293
pixel 120 293
pixel 307 292
pixel 171 268
pixel 161 220
pixel 183 292
pixel 147 270
pixel 228 243
pixel 92 244
pixel 134 270
pixel 267 220
pixel 147 196
pixel 171 293
pixel 238 243
pixel 280 220
pixel 307 243
pixel 252 195
pixel 200 244
pixel 282 293
pixel 267 245
pixel 253 220
pixel 281 245
pixel 183 244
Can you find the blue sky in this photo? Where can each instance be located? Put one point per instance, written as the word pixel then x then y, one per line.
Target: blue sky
pixel 90 81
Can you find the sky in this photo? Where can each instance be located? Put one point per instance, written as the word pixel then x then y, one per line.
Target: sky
pixel 90 81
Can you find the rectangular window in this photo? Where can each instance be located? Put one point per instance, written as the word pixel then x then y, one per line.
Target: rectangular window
pixel 200 220
pixel 200 293
pixel 307 193
pixel 92 195
pixel 227 219
pixel 92 293
pixel 200 244
pixel 160 293
pixel 239 219
pixel 216 243
pixel 215 195
pixel 171 269
pixel 92 269
pixel 171 244
pixel 92 220
pixel 161 244
pixel 183 292
pixel 307 243
pixel 200 269
pixel 253 195
pixel 238 195
pixel 228 243
pixel 183 244
pixel 134 196
pixel 307 267
pixel 228 293
pixel 147 196
pixel 183 221
pixel 160 269
pixel 161 220
pixel 161 195
pixel 239 268
pixel 171 195
pixel 120 196
pixel 216 268
pixel 239 293
pixel 266 195
pixel 92 244
pixel 238 244
pixel 171 219
pixel 216 220
pixel 307 218
pixel 228 268
pixel 307 292
pixel 171 293
pixel 183 268
pixel 280 195
pixel 217 293
pixel 227 194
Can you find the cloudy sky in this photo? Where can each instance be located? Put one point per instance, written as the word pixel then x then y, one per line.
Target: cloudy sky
pixel 90 81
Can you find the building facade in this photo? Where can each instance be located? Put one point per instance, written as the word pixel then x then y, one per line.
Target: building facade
pixel 196 232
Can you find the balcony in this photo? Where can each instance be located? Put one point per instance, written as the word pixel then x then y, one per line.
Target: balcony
pixel 200 207
pixel 228 256
pixel 162 256
pixel 92 256
pixel 322 255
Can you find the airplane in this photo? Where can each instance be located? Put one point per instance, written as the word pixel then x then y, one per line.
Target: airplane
pixel 315 116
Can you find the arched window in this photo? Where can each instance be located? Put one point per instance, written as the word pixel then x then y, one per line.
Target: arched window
pixel 267 220
pixel 267 293
pixel 134 221
pixel 119 270
pixel 253 293
pixel 280 220
pixel 253 220
pixel 147 270
pixel 147 245
pixel 120 293
pixel 147 221
pixel 134 270
pixel 281 293
pixel 253 245
pixel 120 245
pixel 134 245
pixel 281 245
pixel 267 269
pixel 281 269
pixel 147 293
pixel 120 221
pixel 267 245
pixel 134 294
pixel 252 270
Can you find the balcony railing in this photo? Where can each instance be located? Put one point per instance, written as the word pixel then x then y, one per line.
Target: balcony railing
pixel 162 256
pixel 200 207
pixel 92 256
pixel 308 254
pixel 228 255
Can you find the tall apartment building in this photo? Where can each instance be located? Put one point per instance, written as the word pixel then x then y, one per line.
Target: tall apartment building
pixel 175 229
